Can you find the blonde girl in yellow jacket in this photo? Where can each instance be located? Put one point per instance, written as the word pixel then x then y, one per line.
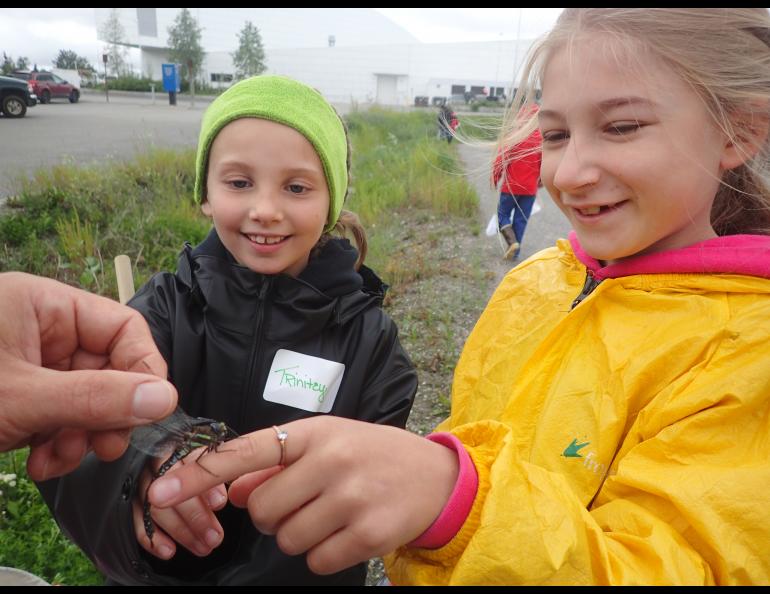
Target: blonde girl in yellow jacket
pixel 611 410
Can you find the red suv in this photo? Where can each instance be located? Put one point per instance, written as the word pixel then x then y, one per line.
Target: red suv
pixel 47 85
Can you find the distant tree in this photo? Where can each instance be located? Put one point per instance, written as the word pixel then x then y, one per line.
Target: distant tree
pixel 66 59
pixel 184 42
pixel 249 60
pixel 113 33
pixel 8 65
pixel 69 60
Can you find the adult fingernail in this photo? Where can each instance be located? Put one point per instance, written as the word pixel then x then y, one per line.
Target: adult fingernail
pixel 165 551
pixel 151 399
pixel 165 489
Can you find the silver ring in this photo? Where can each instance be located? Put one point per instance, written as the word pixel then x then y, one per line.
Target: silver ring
pixel 282 436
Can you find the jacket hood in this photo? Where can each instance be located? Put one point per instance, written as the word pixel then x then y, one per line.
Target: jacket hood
pixel 747 255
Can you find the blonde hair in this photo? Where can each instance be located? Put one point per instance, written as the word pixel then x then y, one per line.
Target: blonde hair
pixel 722 53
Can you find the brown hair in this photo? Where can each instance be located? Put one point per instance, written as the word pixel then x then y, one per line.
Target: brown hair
pixel 722 53
pixel 347 224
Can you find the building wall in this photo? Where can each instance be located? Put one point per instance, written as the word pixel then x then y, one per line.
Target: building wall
pixel 344 74
pixel 350 70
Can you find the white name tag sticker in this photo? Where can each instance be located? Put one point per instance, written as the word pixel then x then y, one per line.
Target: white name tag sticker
pixel 302 381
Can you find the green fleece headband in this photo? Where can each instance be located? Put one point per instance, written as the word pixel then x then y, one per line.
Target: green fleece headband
pixel 286 101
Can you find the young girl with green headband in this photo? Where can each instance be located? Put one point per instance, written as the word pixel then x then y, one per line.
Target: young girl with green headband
pixel 270 319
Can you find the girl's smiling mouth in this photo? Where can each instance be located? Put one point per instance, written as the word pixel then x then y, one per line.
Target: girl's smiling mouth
pixel 597 211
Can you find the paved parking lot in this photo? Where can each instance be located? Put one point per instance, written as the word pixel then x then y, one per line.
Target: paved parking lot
pixel 93 131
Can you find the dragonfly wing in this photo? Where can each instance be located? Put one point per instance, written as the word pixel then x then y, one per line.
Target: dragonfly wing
pixel 161 438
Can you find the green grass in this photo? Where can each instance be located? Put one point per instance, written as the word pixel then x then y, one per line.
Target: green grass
pixel 481 127
pixel 69 223
pixel 30 538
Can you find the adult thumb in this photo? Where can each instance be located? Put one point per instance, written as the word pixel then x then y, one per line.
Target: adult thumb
pixel 98 400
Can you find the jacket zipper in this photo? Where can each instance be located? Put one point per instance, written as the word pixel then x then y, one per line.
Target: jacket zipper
pixel 256 347
pixel 588 287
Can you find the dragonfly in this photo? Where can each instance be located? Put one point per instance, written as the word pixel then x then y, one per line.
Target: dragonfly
pixel 176 437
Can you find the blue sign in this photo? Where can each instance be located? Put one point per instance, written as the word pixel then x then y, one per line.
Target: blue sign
pixel 171 77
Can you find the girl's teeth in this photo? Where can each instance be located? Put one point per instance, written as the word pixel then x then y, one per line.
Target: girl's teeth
pixel 265 240
pixel 591 211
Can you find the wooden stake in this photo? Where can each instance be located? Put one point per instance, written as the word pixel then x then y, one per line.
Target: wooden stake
pixel 125 278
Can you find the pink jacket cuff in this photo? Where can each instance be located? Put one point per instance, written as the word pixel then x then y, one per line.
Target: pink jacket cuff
pixel 452 517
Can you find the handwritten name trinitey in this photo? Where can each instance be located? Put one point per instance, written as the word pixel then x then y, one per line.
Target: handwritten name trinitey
pixel 293 380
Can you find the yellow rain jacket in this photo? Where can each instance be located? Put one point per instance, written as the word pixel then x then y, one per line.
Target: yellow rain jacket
pixel 622 441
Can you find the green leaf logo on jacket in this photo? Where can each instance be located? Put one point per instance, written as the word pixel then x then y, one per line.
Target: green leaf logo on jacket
pixel 573 449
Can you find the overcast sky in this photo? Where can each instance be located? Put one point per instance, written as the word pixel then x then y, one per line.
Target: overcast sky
pixel 39 33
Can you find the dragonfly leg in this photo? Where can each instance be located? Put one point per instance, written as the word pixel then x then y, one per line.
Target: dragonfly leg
pixel 199 456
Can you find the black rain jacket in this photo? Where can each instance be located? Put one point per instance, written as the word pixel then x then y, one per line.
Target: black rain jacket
pixel 218 324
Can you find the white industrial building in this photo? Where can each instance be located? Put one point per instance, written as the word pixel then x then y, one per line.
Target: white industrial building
pixel 349 54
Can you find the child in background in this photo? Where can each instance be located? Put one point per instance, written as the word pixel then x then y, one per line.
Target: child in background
pixel 611 409
pixel 518 166
pixel 270 319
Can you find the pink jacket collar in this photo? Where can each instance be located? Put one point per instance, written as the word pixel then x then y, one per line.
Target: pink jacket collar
pixel 731 254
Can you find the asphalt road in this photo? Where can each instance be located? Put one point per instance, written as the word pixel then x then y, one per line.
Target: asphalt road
pixel 93 130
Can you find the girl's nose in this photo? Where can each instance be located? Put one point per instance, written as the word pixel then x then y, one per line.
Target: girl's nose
pixel 577 169
pixel 265 207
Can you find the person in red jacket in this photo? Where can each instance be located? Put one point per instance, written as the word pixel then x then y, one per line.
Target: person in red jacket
pixel 518 166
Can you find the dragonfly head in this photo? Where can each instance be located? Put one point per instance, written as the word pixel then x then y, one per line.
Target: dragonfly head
pixel 222 431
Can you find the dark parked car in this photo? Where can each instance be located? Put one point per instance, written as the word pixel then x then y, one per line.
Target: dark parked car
pixel 47 85
pixel 15 96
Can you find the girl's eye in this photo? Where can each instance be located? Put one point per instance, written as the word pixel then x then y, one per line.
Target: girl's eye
pixel 555 136
pixel 623 128
pixel 296 188
pixel 239 184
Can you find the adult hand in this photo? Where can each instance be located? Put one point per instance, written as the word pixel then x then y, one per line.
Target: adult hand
pixel 76 371
pixel 349 490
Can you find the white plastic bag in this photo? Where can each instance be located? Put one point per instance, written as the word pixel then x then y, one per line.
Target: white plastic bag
pixel 536 207
pixel 492 226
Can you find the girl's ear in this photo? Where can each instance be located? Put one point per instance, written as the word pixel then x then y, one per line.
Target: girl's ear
pixel 751 132
pixel 206 208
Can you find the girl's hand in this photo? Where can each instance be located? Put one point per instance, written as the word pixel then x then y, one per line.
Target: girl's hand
pixel 349 490
pixel 191 523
